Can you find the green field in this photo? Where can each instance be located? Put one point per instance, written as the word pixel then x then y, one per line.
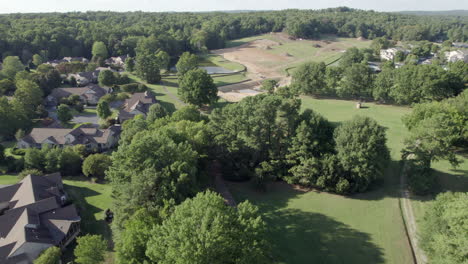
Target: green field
pixel 302 51
pixel 218 61
pixel 318 227
pixel 8 179
pixel 229 79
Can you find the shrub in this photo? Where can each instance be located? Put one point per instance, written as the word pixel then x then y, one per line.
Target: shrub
pixel 96 165
pixel 133 88
pixel 18 151
pixel 26 172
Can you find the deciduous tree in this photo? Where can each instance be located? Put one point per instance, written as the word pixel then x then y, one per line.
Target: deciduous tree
pixel 205 230
pixel 197 87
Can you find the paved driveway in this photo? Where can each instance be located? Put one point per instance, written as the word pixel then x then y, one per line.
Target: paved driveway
pixel 93 119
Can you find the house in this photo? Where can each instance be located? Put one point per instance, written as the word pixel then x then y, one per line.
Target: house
pixel 117 61
pixel 92 138
pixel 138 104
pixel 374 66
pixel 457 55
pixel 389 54
pixel 89 94
pixel 35 214
pixel 54 63
pixel 85 78
pixel 460 45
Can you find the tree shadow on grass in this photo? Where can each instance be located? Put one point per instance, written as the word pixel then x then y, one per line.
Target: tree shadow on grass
pixel 454 182
pixel 170 107
pixel 304 237
pixel 89 223
pixel 300 237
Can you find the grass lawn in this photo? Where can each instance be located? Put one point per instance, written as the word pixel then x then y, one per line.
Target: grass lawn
pixel 8 179
pixel 229 79
pixel 318 227
pixel 218 61
pixel 91 199
pixel 301 51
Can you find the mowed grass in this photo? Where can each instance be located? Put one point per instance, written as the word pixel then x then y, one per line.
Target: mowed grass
pixel 301 51
pixel 8 179
pixel 218 61
pixel 229 79
pixel 319 227
pixel 91 200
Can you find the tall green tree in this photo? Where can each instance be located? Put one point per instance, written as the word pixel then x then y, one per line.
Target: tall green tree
pixel 37 60
pixel 186 63
pixel 103 109
pixel 99 50
pixel 64 113
pixel 362 150
pixel 106 78
pixel 356 81
pixel 90 249
pixel 131 247
pixel 27 97
pixel 156 111
pixel 49 256
pixel 11 65
pixel 149 172
pixel 197 87
pixel 96 165
pixel 148 67
pixel 205 230
pixel 444 228
pixel 163 59
pixel 310 78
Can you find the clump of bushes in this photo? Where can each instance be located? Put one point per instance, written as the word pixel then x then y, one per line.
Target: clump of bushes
pixel 133 88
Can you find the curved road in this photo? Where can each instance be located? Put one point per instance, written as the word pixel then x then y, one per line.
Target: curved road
pixel 409 219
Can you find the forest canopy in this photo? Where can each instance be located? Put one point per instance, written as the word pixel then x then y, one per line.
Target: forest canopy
pixel 56 35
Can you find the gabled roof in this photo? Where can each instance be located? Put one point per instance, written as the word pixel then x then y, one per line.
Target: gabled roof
pixel 34 215
pixel 140 101
pixel 81 135
pixel 93 89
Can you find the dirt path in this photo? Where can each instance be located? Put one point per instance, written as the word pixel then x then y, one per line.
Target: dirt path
pixel 214 170
pixel 172 95
pixel 409 220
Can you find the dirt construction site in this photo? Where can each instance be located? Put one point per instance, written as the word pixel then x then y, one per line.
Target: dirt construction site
pixel 274 55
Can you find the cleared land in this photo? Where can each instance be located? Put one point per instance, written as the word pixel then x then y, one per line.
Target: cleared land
pixel 273 56
pixel 318 227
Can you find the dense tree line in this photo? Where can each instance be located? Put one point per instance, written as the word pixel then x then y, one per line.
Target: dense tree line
pixel 444 229
pixel 102 34
pixel 265 137
pixel 437 130
pixel 158 174
pixel 161 162
pixel 353 78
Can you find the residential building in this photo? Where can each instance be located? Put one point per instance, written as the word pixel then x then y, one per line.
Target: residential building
pixel 93 138
pixel 85 78
pixel 117 61
pixel 54 63
pixel 89 94
pixel 35 214
pixel 138 104
pixel 389 54
pixel 457 55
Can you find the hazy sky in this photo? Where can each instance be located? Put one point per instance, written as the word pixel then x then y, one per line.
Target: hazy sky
pixel 14 6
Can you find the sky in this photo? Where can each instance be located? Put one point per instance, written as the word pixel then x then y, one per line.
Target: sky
pixel 27 6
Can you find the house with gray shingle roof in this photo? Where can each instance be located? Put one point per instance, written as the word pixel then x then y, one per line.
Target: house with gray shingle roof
pixel 92 138
pixel 35 214
pixel 89 94
pixel 138 104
